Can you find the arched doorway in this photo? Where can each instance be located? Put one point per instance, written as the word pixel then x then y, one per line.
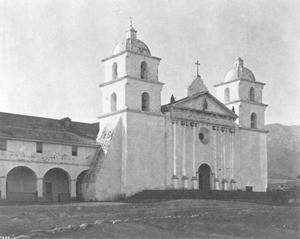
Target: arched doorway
pixel 79 182
pixel 56 185
pixel 204 176
pixel 21 185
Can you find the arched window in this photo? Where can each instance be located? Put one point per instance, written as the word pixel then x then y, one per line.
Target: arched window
pixel 144 70
pixel 115 71
pixel 113 102
pixel 251 94
pixel 253 121
pixel 145 102
pixel 226 95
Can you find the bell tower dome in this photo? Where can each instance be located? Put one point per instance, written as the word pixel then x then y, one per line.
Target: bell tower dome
pixel 241 92
pixel 131 77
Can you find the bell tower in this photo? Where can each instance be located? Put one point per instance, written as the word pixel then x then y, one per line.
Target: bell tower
pixel 131 78
pixel 241 93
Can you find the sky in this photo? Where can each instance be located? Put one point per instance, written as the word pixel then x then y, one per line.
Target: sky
pixel 51 50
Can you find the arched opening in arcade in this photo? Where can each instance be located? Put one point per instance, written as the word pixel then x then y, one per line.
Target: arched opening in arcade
pixel 204 176
pixel 56 185
pixel 21 185
pixel 79 185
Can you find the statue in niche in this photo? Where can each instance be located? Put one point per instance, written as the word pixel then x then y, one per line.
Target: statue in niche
pixel 204 104
pixel 172 100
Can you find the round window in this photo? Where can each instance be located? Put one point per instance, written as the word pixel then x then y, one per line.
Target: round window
pixel 204 135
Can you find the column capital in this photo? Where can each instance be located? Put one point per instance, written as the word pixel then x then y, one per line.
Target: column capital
pixel 214 127
pixel 2 176
pixel 193 124
pixel 185 178
pixel 194 178
pixel 70 180
pixel 174 122
pixel 182 122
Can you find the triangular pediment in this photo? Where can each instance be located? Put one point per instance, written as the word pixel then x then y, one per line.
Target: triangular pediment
pixel 204 102
pixel 196 86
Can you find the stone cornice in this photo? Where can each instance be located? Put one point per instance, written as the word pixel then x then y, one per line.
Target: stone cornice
pixel 252 129
pixel 131 78
pixel 131 110
pixel 132 52
pixel 204 112
pixel 21 161
pixel 248 102
pixel 227 82
pixel 194 122
pixel 50 142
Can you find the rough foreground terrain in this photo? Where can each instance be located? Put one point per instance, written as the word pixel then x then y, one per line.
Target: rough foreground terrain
pixel 170 219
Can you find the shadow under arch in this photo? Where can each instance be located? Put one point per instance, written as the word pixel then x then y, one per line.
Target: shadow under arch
pixel 79 185
pixel 21 184
pixel 56 186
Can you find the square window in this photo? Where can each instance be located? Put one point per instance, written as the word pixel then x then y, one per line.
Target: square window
pixel 74 150
pixel 3 144
pixel 39 147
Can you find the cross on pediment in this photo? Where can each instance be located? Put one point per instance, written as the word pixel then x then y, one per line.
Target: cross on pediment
pixel 198 64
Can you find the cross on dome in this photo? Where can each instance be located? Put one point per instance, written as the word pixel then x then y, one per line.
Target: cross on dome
pixel 130 19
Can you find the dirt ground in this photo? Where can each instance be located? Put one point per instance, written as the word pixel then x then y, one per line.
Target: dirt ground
pixel 170 219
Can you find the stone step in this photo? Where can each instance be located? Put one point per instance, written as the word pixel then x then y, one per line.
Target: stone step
pixel 196 194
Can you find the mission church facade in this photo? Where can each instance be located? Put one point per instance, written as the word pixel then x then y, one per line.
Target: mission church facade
pixel 199 142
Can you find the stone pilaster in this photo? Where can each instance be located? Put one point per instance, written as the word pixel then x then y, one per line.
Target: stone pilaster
pixel 39 188
pixel 224 184
pixel 72 184
pixel 194 152
pixel 175 178
pixel 216 184
pixel 232 184
pixel 184 127
pixel 175 182
pixel 185 182
pixel 3 188
pixel 194 182
pixel 214 135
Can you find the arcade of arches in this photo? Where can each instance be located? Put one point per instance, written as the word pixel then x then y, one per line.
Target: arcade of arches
pixel 22 184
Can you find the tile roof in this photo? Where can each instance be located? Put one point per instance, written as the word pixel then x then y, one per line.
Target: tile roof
pixel 33 128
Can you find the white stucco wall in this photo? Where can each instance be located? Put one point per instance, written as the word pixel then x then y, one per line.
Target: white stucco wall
pixel 233 89
pixel 133 66
pixel 244 88
pixel 245 111
pixel 108 68
pixel 251 162
pixel 146 159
